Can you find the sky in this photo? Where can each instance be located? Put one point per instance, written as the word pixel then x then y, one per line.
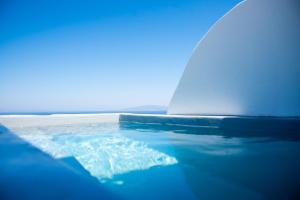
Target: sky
pixel 71 55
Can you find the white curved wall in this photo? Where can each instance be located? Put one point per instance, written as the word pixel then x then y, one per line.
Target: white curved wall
pixel 247 64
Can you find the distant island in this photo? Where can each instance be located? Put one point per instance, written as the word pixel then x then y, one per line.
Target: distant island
pixel 147 108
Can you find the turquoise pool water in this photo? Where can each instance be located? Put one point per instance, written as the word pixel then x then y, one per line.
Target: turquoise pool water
pixel 143 161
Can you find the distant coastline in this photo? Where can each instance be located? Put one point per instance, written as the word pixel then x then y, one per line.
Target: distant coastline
pixel 145 109
pixel 84 112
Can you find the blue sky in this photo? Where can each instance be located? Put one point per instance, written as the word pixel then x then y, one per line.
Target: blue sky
pixel 75 55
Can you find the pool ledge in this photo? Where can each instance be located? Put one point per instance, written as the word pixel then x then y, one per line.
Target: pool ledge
pixel 233 123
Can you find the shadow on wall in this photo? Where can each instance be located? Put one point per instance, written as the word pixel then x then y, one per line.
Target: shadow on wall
pixel 28 173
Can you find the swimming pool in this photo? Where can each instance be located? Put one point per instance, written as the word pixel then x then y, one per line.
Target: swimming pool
pixel 154 161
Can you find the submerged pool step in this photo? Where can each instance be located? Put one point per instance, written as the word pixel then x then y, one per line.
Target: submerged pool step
pixel 226 125
pixel 172 120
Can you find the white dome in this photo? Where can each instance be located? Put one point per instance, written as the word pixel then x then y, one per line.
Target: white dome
pixel 247 64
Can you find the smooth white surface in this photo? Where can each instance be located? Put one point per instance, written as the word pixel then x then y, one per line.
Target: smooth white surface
pixel 11 121
pixel 247 64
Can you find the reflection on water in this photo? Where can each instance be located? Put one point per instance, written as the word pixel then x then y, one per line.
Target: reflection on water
pixel 142 161
pixel 224 163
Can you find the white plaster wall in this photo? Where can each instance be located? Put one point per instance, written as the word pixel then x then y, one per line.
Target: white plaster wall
pixel 247 64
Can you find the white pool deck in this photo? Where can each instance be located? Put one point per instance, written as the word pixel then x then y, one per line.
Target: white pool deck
pixel 56 119
pixel 62 119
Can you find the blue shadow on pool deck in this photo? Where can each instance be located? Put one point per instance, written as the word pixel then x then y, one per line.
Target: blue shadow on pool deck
pixel 28 173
